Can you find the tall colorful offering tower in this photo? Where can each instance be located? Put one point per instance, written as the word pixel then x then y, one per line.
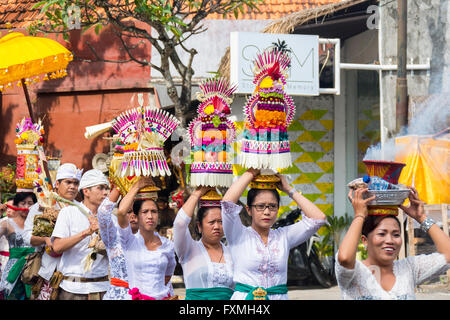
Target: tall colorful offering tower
pixel 268 113
pixel 29 138
pixel 211 135
pixel 140 135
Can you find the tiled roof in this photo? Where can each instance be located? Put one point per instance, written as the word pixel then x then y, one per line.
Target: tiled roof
pixel 275 9
pixel 20 13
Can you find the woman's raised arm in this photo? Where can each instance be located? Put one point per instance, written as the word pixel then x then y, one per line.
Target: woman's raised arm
pixel 236 190
pixel 349 245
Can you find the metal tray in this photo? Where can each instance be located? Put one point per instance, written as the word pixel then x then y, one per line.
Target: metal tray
pixel 387 197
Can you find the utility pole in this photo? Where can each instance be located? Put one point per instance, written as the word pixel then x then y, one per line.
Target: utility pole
pixel 402 86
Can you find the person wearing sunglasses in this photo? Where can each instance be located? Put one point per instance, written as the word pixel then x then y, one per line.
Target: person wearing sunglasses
pixel 260 253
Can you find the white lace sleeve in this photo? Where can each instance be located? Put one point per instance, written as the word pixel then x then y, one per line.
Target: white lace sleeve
pixel 3 228
pixel 172 264
pixel 29 223
pixel 232 224
pixel 108 230
pixel 126 236
pixel 344 276
pixel 302 230
pixel 426 266
pixel 181 235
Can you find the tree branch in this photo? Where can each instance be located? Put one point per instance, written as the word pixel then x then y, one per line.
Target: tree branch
pixel 127 49
pixel 103 59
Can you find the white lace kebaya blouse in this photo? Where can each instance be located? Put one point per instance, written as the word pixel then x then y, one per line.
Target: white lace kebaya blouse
pixel 360 284
pixel 198 270
pixel 256 264
pixel 108 228
pixel 148 268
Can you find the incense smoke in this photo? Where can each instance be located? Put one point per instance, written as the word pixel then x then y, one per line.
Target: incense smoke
pixel 430 117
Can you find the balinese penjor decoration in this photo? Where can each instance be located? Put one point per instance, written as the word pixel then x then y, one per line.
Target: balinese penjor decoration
pixel 211 135
pixel 268 113
pixel 29 138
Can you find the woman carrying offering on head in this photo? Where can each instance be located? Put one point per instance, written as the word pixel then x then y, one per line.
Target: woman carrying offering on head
pixel 207 265
pixel 150 257
pixel 381 275
pixel 260 253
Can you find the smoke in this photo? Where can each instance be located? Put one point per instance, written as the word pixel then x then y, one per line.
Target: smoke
pixel 432 116
pixel 381 152
pixel 429 117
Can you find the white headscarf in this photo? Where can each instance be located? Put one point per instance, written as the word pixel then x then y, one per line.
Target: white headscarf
pixel 92 178
pixel 68 171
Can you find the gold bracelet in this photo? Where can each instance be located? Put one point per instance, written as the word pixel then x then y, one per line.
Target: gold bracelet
pixel 359 216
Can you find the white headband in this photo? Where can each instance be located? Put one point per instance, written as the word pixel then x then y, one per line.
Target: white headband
pixel 68 171
pixel 92 178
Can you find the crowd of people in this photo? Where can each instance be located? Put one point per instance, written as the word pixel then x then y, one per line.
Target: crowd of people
pixel 107 246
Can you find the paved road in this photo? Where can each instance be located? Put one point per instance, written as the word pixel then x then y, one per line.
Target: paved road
pixel 319 293
pixel 333 293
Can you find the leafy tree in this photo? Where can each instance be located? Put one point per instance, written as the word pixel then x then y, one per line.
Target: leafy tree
pixel 166 24
pixel 331 240
pixel 337 225
pixel 7 182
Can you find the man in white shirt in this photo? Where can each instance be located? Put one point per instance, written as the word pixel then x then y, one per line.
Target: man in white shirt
pixel 66 186
pixel 84 273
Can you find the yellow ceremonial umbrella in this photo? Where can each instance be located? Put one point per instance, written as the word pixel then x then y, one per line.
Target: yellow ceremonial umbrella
pixel 26 59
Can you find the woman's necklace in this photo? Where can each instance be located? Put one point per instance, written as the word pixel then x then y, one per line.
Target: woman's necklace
pixel 221 256
pixel 208 247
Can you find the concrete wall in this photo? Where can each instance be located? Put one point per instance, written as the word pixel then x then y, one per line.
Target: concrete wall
pixel 428 29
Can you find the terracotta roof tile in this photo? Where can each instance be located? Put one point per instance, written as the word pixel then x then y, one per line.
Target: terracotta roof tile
pixel 275 9
pixel 18 13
